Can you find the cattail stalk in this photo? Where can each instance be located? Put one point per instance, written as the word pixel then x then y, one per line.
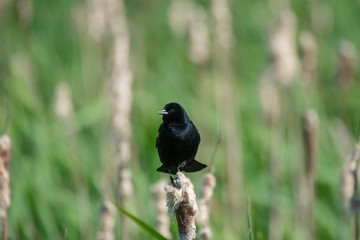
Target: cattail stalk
pixel 159 196
pixel 5 146
pixel 181 201
pixel 224 41
pixel 306 177
pixel 64 111
pixel 349 188
pixel 198 36
pixel 309 57
pixel 111 14
pixel 107 223
pixel 209 182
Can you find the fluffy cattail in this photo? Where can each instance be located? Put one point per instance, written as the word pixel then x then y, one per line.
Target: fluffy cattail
pixel 107 223
pixel 5 146
pixel 309 57
pixel 346 63
pixel 179 14
pixel 209 182
pixel 96 18
pixel 187 17
pixel 159 196
pixel 283 49
pixel 223 24
pixel 198 36
pixel 181 201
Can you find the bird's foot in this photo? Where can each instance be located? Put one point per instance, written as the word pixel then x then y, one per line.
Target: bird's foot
pixel 181 166
pixel 171 178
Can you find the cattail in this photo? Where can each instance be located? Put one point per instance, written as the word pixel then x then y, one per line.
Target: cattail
pixel 283 49
pixel 96 18
pixel 107 222
pixel 159 196
pixel 346 63
pixel 224 92
pixel 179 14
pixel 209 182
pixel 306 175
pixel 349 177
pixel 120 81
pixel 198 36
pixel 310 125
pixel 181 201
pixel 223 24
pixel 309 57
pixel 269 98
pixel 187 17
pixel 351 200
pixel 24 10
pixel 5 146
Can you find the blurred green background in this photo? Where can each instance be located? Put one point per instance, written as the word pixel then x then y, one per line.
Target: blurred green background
pixel 59 169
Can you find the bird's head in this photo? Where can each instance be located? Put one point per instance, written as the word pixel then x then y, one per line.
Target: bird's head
pixel 173 112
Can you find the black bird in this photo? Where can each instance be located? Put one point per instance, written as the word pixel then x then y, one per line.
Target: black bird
pixel 177 141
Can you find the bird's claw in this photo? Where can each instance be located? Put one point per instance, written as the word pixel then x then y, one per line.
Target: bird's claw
pixel 181 166
pixel 171 178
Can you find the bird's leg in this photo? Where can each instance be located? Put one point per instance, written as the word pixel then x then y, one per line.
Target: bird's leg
pixel 171 178
pixel 181 166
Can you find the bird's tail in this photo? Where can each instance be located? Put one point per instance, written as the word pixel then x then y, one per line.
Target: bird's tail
pixel 163 169
pixel 193 166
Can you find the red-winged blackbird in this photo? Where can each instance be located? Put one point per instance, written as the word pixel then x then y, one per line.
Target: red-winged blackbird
pixel 177 141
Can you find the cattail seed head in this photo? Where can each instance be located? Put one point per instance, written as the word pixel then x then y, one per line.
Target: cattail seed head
pixel 269 98
pixel 107 217
pixel 181 201
pixel 346 63
pixel 309 57
pixel 159 196
pixel 310 125
pixel 209 182
pixel 283 50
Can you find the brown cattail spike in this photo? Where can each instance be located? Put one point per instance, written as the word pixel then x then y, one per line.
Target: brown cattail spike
pixel 181 201
pixel 346 63
pixel 310 125
pixel 309 57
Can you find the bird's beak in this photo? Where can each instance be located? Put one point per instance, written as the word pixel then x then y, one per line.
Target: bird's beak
pixel 162 112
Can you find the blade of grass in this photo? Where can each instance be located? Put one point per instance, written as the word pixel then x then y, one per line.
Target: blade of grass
pixel 141 223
